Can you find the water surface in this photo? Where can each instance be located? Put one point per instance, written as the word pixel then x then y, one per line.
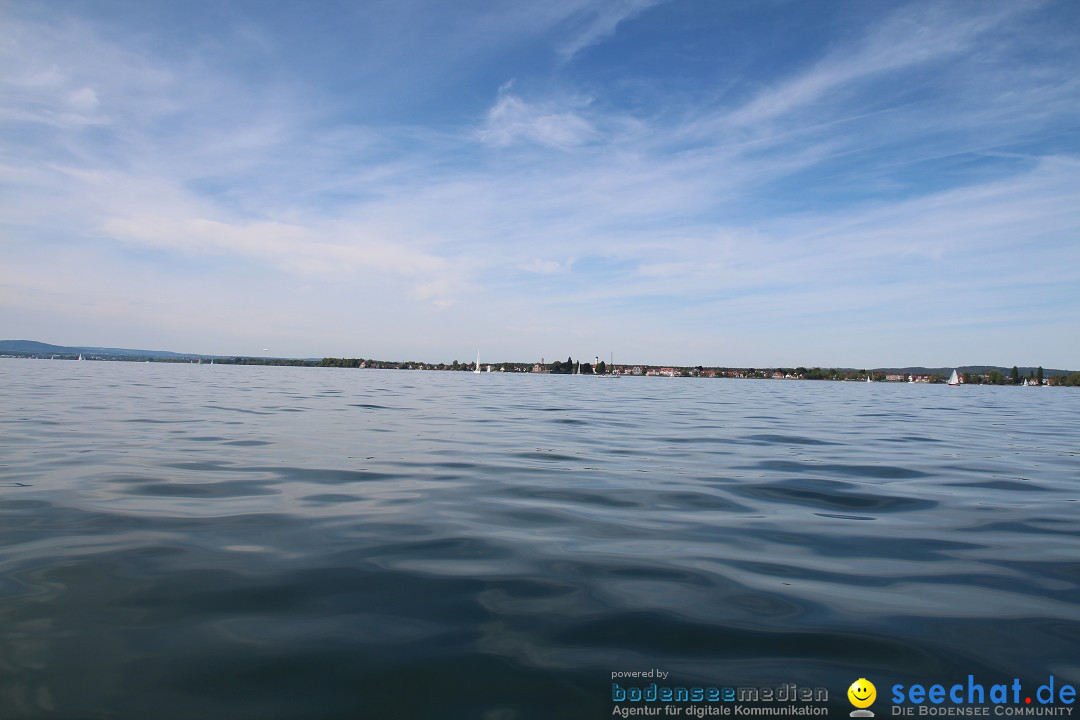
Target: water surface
pixel 181 541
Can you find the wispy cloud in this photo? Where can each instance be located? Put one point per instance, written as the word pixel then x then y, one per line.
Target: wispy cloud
pixel 911 37
pixel 511 119
pixel 291 247
pixel 599 20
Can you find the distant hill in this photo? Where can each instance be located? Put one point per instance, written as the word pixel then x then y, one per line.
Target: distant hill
pixel 33 347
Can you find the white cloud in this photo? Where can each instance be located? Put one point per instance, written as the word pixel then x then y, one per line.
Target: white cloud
pixel 292 248
pixel 83 99
pixel 513 120
pixel 544 267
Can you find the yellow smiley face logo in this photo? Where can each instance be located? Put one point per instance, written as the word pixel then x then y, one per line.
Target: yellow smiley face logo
pixel 862 693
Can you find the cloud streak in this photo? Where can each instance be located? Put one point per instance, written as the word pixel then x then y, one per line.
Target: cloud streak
pixel 908 39
pixel 600 21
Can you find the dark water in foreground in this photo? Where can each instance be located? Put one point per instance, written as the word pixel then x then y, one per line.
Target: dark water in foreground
pixel 182 541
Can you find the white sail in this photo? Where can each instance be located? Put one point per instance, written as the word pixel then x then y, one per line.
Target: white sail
pixel 954 379
pixel 477 369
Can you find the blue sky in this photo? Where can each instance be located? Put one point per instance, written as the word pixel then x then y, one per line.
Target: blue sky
pixel 761 183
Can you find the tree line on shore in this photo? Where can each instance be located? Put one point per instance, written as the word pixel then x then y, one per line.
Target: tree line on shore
pixel 1035 376
pixel 981 375
pixel 992 376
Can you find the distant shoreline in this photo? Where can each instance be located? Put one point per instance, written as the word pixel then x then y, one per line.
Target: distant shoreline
pixel 971 374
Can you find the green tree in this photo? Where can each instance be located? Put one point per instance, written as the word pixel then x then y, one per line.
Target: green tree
pixel 1039 375
pixel 456 365
pixel 1014 376
pixel 601 368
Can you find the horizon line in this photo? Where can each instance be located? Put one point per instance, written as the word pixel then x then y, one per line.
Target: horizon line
pixel 135 352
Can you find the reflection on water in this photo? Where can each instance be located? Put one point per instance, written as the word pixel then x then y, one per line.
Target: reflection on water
pixel 183 541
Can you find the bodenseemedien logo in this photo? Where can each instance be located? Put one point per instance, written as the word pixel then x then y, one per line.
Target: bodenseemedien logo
pixel 862 694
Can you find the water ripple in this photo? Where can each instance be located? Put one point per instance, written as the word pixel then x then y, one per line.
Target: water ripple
pixel 255 542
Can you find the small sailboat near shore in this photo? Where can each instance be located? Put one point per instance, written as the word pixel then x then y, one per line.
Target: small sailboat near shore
pixel 476 370
pixel 611 371
pixel 954 379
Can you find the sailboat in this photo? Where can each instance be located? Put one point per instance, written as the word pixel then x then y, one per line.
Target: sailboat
pixel 611 372
pixel 954 379
pixel 869 377
pixel 80 356
pixel 477 369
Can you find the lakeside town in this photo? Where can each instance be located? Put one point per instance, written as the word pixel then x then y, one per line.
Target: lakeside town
pixel 976 375
pixel 967 375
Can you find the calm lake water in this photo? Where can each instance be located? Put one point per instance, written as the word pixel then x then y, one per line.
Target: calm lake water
pixel 186 541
